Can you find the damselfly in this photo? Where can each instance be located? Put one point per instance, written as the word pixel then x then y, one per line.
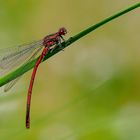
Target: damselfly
pixel 12 58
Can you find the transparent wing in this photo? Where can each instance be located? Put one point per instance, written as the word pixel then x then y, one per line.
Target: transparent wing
pixel 9 85
pixel 13 57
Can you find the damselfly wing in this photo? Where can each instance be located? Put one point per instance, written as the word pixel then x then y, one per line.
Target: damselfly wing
pixel 10 58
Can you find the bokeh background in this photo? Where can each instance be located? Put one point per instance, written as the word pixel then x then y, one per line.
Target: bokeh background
pixel 91 91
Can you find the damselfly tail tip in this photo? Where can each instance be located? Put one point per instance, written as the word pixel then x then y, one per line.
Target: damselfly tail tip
pixel 27 125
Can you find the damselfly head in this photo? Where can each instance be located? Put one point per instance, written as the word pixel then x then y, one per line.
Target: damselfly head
pixel 62 31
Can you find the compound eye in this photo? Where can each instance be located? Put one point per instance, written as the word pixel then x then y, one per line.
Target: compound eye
pixel 62 31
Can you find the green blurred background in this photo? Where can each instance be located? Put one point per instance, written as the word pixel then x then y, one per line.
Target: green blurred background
pixel 91 91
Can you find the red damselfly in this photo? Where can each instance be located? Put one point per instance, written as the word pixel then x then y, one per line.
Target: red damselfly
pixel 13 57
